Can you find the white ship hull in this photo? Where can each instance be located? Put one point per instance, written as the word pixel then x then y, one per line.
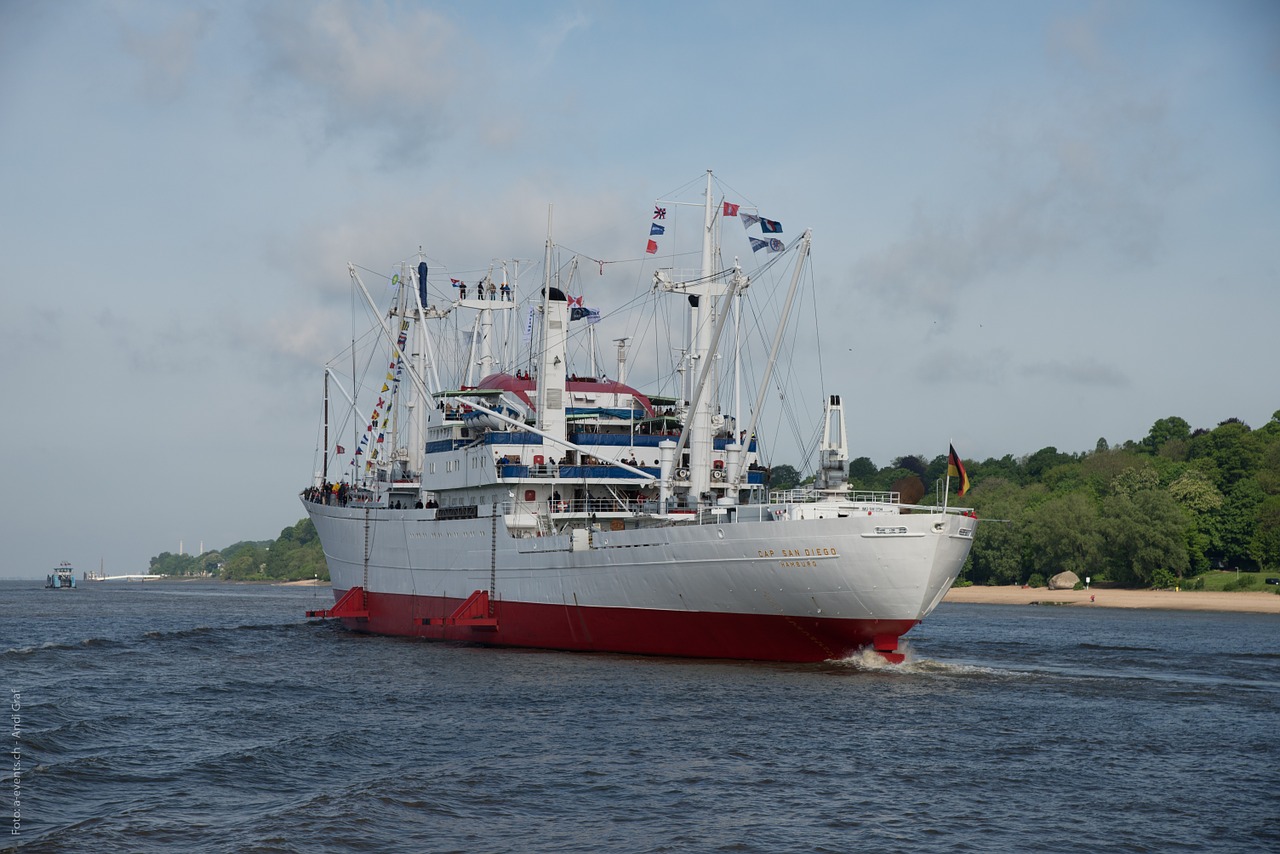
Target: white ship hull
pixel 797 590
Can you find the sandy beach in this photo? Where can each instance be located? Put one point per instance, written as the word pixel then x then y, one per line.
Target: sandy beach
pixel 306 582
pixel 1257 601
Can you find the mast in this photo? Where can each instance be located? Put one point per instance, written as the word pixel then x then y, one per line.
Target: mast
pixel 591 350
pixel 702 311
pixel 703 293
pixel 551 360
pixel 484 331
pixel 324 471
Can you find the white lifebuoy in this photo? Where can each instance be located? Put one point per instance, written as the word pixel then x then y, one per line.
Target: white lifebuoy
pixel 717 474
pixel 682 474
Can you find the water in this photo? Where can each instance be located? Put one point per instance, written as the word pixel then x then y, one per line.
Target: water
pixel 207 717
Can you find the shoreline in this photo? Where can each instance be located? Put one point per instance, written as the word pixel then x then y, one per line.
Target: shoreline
pixel 1251 601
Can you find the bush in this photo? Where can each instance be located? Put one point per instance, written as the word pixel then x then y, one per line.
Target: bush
pixel 1197 583
pixel 1079 585
pixel 1244 582
pixel 1163 579
pixel 1036 580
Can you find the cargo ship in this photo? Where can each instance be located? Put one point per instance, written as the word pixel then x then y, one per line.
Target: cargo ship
pixel 500 495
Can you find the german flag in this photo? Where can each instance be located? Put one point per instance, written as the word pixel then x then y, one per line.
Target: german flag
pixel 955 468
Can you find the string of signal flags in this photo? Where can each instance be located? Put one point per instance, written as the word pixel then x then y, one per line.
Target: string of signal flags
pixel 658 228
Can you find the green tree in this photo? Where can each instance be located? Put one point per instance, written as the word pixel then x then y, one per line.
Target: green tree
pixel 1195 492
pixel 996 557
pixel 1064 533
pixel 912 463
pixel 1043 460
pixel 1232 451
pixel 167 563
pixel 1232 525
pixel 1006 468
pixel 861 471
pixel 247 564
pixel 1269 465
pixel 1134 480
pixel 783 477
pixel 1164 430
pixel 1101 468
pixel 1265 545
pixel 1144 534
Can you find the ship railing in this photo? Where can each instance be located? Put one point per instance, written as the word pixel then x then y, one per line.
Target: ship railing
pixel 515 471
pixel 596 506
pixel 950 509
pixel 875 497
pixel 805 495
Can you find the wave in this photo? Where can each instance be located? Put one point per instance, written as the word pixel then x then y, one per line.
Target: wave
pixel 867 660
pixel 154 635
pixel 60 646
pixel 1102 647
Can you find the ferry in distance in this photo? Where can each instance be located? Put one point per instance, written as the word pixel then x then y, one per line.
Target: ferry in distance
pixel 63 577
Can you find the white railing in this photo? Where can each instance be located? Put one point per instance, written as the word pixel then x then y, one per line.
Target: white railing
pixel 808 495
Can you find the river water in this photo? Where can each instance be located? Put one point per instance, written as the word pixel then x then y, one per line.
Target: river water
pixel 214 717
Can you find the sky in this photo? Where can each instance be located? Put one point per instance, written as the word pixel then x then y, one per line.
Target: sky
pixel 1035 224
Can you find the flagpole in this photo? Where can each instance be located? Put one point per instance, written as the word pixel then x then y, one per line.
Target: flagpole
pixel 946 490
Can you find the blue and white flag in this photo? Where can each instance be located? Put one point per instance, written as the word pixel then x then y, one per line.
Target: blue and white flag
pixel 591 315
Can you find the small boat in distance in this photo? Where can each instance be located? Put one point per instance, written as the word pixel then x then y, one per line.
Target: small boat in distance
pixel 62 578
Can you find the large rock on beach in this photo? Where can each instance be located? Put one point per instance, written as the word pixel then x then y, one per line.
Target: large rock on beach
pixel 1064 581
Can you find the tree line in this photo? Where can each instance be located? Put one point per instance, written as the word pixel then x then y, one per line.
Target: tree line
pixel 1149 512
pixel 293 556
pixel 1146 513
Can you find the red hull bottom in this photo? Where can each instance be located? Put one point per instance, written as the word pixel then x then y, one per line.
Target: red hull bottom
pixel 695 634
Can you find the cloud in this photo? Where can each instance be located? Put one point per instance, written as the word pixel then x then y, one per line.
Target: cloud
pixel 552 37
pixel 950 366
pixel 166 49
pixel 1080 371
pixel 368 67
pixel 1088 171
